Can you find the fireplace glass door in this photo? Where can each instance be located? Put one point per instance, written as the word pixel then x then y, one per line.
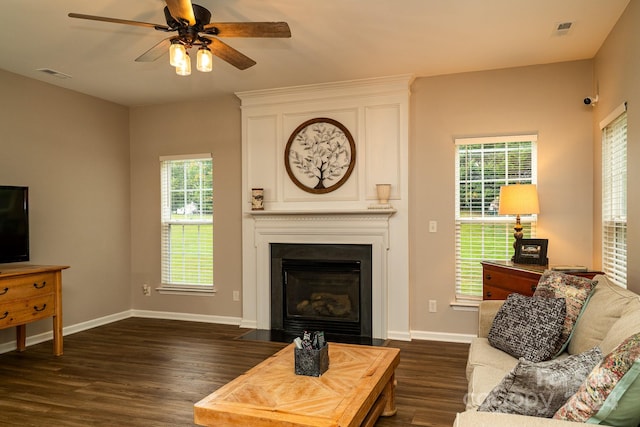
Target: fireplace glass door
pixel 321 294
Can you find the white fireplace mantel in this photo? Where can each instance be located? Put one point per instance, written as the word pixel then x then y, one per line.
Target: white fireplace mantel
pixel 327 214
pixel 365 227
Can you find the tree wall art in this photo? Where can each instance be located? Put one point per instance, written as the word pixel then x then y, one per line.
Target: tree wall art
pixel 320 155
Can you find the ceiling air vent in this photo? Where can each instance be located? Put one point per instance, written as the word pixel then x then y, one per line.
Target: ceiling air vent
pixel 563 28
pixel 54 73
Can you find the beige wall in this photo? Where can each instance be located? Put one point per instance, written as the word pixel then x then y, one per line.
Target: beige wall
pixel 617 79
pixel 546 100
pixel 211 126
pixel 72 151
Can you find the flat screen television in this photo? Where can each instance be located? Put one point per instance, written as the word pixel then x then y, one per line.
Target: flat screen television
pixel 14 224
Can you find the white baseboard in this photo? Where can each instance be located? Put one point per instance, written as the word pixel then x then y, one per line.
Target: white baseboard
pixel 168 315
pixel 442 336
pixel 400 336
pixel 90 324
pixel 249 324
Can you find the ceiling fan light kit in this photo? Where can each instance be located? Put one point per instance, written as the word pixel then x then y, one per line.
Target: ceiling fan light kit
pixel 180 59
pixel 192 22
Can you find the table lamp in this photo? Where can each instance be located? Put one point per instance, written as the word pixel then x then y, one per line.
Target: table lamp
pixel 518 199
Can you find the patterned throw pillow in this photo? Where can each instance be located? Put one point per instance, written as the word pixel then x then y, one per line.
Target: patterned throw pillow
pixel 603 391
pixel 528 327
pixel 539 389
pixel 576 292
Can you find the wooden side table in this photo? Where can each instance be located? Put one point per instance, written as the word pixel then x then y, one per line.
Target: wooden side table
pixel 29 293
pixel 501 278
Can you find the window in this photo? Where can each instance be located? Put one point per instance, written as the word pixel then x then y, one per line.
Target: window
pixel 483 165
pixel 614 196
pixel 187 223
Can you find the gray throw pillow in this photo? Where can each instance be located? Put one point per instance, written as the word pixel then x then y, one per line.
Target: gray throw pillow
pixel 528 327
pixel 540 389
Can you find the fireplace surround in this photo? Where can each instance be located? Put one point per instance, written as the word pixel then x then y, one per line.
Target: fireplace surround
pixel 376 113
pixel 368 227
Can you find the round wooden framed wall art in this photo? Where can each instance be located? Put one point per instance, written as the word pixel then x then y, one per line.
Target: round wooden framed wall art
pixel 320 155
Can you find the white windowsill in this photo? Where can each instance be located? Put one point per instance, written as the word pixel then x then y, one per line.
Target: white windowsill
pixel 186 290
pixel 465 305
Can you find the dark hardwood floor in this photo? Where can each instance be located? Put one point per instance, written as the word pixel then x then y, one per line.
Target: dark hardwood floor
pixel 149 372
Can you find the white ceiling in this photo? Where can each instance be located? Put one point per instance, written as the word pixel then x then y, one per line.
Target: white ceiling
pixel 332 40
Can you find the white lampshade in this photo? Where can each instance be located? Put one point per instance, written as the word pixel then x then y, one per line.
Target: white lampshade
pixel 184 68
pixel 518 199
pixel 204 60
pixel 177 52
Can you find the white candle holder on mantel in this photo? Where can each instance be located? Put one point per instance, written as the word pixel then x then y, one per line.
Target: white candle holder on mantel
pixel 384 192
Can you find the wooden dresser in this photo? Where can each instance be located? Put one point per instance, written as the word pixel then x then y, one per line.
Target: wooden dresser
pixel 501 278
pixel 29 293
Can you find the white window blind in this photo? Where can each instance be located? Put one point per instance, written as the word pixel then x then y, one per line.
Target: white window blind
pixel 187 222
pixel 483 165
pixel 614 197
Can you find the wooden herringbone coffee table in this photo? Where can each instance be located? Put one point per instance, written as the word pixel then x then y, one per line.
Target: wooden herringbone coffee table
pixel 355 391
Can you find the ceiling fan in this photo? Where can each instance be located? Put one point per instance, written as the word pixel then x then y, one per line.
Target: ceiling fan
pixel 193 27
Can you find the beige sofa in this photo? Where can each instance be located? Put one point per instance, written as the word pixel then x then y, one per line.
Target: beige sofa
pixel 611 315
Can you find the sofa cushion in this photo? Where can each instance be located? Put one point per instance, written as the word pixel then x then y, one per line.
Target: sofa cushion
pixel 605 306
pixel 628 324
pixel 481 353
pixel 540 389
pixel 605 388
pixel 528 327
pixel 482 381
pixel 487 311
pixel 576 292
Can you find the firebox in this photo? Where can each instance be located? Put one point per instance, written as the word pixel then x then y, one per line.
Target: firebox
pixel 321 287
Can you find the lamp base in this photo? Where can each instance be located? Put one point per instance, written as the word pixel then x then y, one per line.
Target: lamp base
pixel 517 235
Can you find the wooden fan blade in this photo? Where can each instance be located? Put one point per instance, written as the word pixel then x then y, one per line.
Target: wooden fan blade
pixel 229 54
pixel 250 29
pixel 155 52
pixel 181 10
pixel 119 21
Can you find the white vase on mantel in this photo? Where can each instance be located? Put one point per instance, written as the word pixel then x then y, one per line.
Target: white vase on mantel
pixel 384 192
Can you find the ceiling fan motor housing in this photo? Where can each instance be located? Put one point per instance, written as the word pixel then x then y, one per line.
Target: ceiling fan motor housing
pixel 202 15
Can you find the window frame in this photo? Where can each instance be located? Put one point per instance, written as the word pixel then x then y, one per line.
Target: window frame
pixel 614 196
pixel 169 221
pixel 469 268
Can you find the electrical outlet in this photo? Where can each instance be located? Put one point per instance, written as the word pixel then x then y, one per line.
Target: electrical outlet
pixel 146 290
pixel 433 226
pixel 236 295
pixel 433 306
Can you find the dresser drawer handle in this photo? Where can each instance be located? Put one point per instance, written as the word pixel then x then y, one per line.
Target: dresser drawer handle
pixel 35 307
pixel 488 294
pixel 4 291
pixel 4 316
pixel 488 277
pixel 533 288
pixel 35 285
